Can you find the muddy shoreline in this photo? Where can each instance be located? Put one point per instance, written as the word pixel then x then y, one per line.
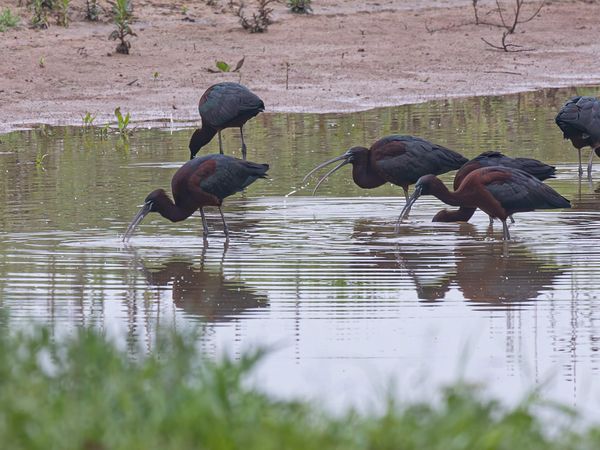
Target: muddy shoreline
pixel 347 56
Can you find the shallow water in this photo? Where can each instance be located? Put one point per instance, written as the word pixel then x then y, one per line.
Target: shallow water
pixel 345 303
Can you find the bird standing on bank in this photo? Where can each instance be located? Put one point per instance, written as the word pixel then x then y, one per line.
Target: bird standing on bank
pixel 497 191
pixel 486 159
pixel 204 181
pixel 400 160
pixel 579 120
pixel 224 105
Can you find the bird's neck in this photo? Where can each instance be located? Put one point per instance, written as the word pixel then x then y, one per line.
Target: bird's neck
pixel 169 210
pixel 440 191
pixel 364 175
pixel 200 138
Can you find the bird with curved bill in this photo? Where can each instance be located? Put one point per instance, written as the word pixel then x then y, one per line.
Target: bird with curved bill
pixel 201 182
pixel 396 159
pixel 534 167
pixel 497 191
pixel 224 105
pixel 579 120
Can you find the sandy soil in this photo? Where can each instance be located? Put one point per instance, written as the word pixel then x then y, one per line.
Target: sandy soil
pixel 348 55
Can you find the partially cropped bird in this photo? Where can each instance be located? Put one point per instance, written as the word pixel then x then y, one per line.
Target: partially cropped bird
pixel 486 159
pixel 498 191
pixel 400 160
pixel 224 105
pixel 579 120
pixel 201 182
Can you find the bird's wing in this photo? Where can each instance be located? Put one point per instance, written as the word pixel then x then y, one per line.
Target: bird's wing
pixel 581 114
pixel 517 190
pixel 229 175
pixel 404 159
pixel 225 102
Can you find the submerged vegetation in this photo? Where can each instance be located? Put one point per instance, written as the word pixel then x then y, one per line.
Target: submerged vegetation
pixel 85 392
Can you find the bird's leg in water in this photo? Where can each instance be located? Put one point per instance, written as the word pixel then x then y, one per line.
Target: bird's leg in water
pixel 589 168
pixel 580 168
pixel 204 225
pixel 225 227
pixel 405 194
pixel 511 219
pixel 505 233
pixel 491 221
pixel 243 144
pixel 220 143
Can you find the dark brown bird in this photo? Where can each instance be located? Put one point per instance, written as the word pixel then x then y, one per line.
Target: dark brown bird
pixel 400 160
pixel 497 191
pixel 579 120
pixel 224 105
pixel 200 182
pixel 532 166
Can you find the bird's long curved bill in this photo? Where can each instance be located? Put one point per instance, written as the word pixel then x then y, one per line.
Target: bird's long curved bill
pixel 320 166
pixel 143 212
pixel 406 210
pixel 324 177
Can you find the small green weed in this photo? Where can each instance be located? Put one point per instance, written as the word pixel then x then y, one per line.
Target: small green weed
pixel 122 17
pixel 42 62
pixel 8 20
pixel 260 20
pixel 62 12
pixel 123 122
pixel 300 6
pixel 88 119
pixel 39 9
pixel 92 10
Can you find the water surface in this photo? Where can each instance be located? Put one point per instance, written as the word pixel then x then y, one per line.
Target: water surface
pixel 345 303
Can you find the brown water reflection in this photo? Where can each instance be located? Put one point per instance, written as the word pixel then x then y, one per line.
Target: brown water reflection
pixel 201 292
pixel 346 301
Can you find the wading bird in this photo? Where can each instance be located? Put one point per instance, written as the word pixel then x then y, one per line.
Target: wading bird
pixel 400 160
pixel 532 166
pixel 497 191
pixel 201 182
pixel 579 120
pixel 224 105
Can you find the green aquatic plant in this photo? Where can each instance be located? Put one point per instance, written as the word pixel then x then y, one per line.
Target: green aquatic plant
pixel 123 122
pixel 122 16
pixel 8 20
pixel 88 119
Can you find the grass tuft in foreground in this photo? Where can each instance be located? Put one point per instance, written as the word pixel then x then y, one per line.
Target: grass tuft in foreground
pixel 85 393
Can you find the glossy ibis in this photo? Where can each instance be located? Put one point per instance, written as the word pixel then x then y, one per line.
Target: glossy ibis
pixel 400 160
pixel 224 105
pixel 532 166
pixel 200 182
pixel 497 191
pixel 579 120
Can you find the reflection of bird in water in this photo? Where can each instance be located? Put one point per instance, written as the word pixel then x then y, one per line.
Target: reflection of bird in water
pixel 483 274
pixel 484 271
pixel 579 120
pixel 203 293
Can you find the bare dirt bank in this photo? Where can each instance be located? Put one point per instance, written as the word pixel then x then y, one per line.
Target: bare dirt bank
pixel 349 55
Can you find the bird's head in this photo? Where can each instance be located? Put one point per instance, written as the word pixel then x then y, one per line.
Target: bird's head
pixel 150 205
pixel 351 156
